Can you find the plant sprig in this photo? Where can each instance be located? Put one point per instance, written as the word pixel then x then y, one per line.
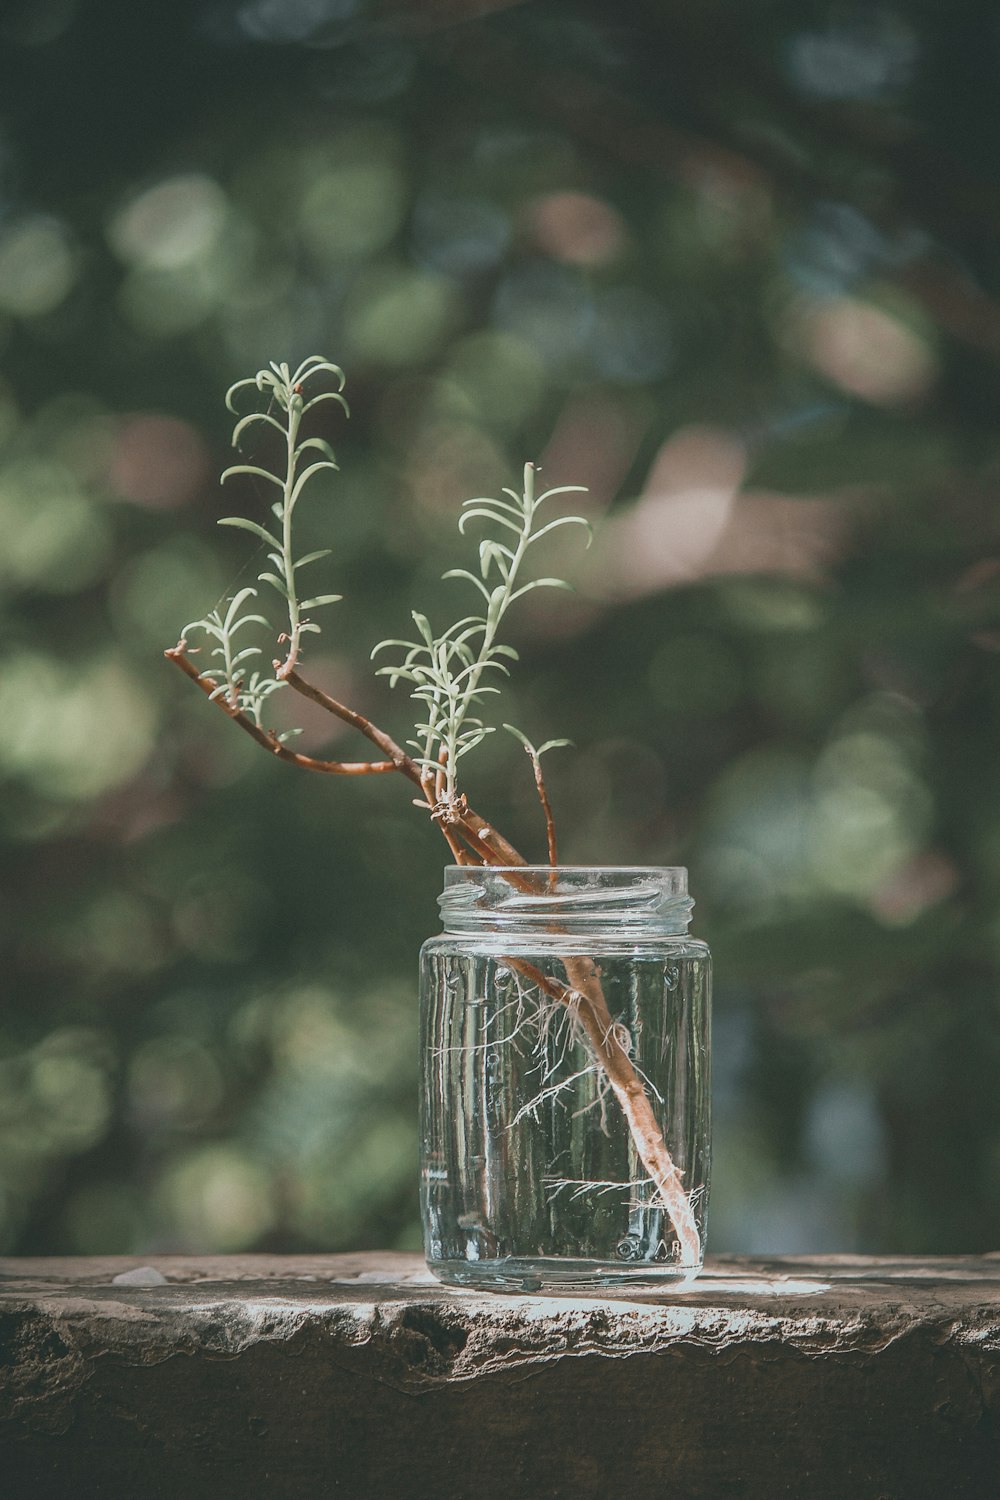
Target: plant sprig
pixel 446 671
pixel 240 692
pixel 451 673
pixel 289 391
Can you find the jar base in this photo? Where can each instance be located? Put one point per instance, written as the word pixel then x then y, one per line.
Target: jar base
pixel 558 1274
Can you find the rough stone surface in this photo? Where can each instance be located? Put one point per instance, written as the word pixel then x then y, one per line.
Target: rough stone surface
pixel 362 1376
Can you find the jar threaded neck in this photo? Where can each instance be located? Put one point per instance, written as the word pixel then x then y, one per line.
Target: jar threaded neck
pixel 567 898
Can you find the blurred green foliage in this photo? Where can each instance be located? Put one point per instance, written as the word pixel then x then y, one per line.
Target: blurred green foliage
pixel 733 267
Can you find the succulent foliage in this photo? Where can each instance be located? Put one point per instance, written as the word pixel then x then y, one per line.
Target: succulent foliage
pixel 451 674
pixel 239 691
pixel 447 671
pixel 289 401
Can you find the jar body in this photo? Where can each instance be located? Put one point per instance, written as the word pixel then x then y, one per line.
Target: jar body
pixel 535 1171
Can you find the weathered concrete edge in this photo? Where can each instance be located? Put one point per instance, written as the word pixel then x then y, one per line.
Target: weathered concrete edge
pixel 419 1332
pixel 267 1375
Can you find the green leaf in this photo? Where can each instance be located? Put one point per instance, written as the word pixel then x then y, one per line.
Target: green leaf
pixel 251 469
pixel 321 599
pixel 422 760
pixel 395 673
pixel 209 627
pixel 471 577
pixel 244 525
pixel 462 640
pixel 487 515
pixel 327 396
pixel 562 489
pixel 305 477
pixel 513 510
pixel 493 552
pixel 314 364
pixel 518 735
pixel 423 625
pixel 256 416
pixel 321 445
pixel 314 556
pixel 275 583
pixel 460 647
pixel 542 583
pixel 459 624
pixel 497 600
pixel 237 387
pixel 234 605
pixel 248 620
pixel 567 521
pixel 383 644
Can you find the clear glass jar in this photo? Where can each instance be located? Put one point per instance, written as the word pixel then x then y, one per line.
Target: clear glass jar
pixel 565 1103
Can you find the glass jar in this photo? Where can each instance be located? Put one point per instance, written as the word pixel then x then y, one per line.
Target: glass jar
pixel 565 1104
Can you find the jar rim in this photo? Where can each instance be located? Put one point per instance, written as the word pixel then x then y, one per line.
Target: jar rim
pixel 596 869
pixel 566 897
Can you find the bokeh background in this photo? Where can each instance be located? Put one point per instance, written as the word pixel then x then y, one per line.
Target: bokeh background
pixel 731 265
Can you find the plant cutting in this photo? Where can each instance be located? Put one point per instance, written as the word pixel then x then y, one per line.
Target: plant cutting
pixel 564 1010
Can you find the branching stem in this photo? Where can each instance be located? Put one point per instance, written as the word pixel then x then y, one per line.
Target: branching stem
pixel 399 759
pixel 178 655
pixel 583 992
pixel 543 797
pixel 464 688
pixel 283 669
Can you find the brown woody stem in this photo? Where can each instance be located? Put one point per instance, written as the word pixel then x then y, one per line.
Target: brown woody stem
pixel 283 669
pixel 269 741
pixel 543 797
pixel 587 995
pixel 483 837
pixel 400 760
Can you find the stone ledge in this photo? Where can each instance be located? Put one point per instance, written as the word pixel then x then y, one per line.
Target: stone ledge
pixel 361 1375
